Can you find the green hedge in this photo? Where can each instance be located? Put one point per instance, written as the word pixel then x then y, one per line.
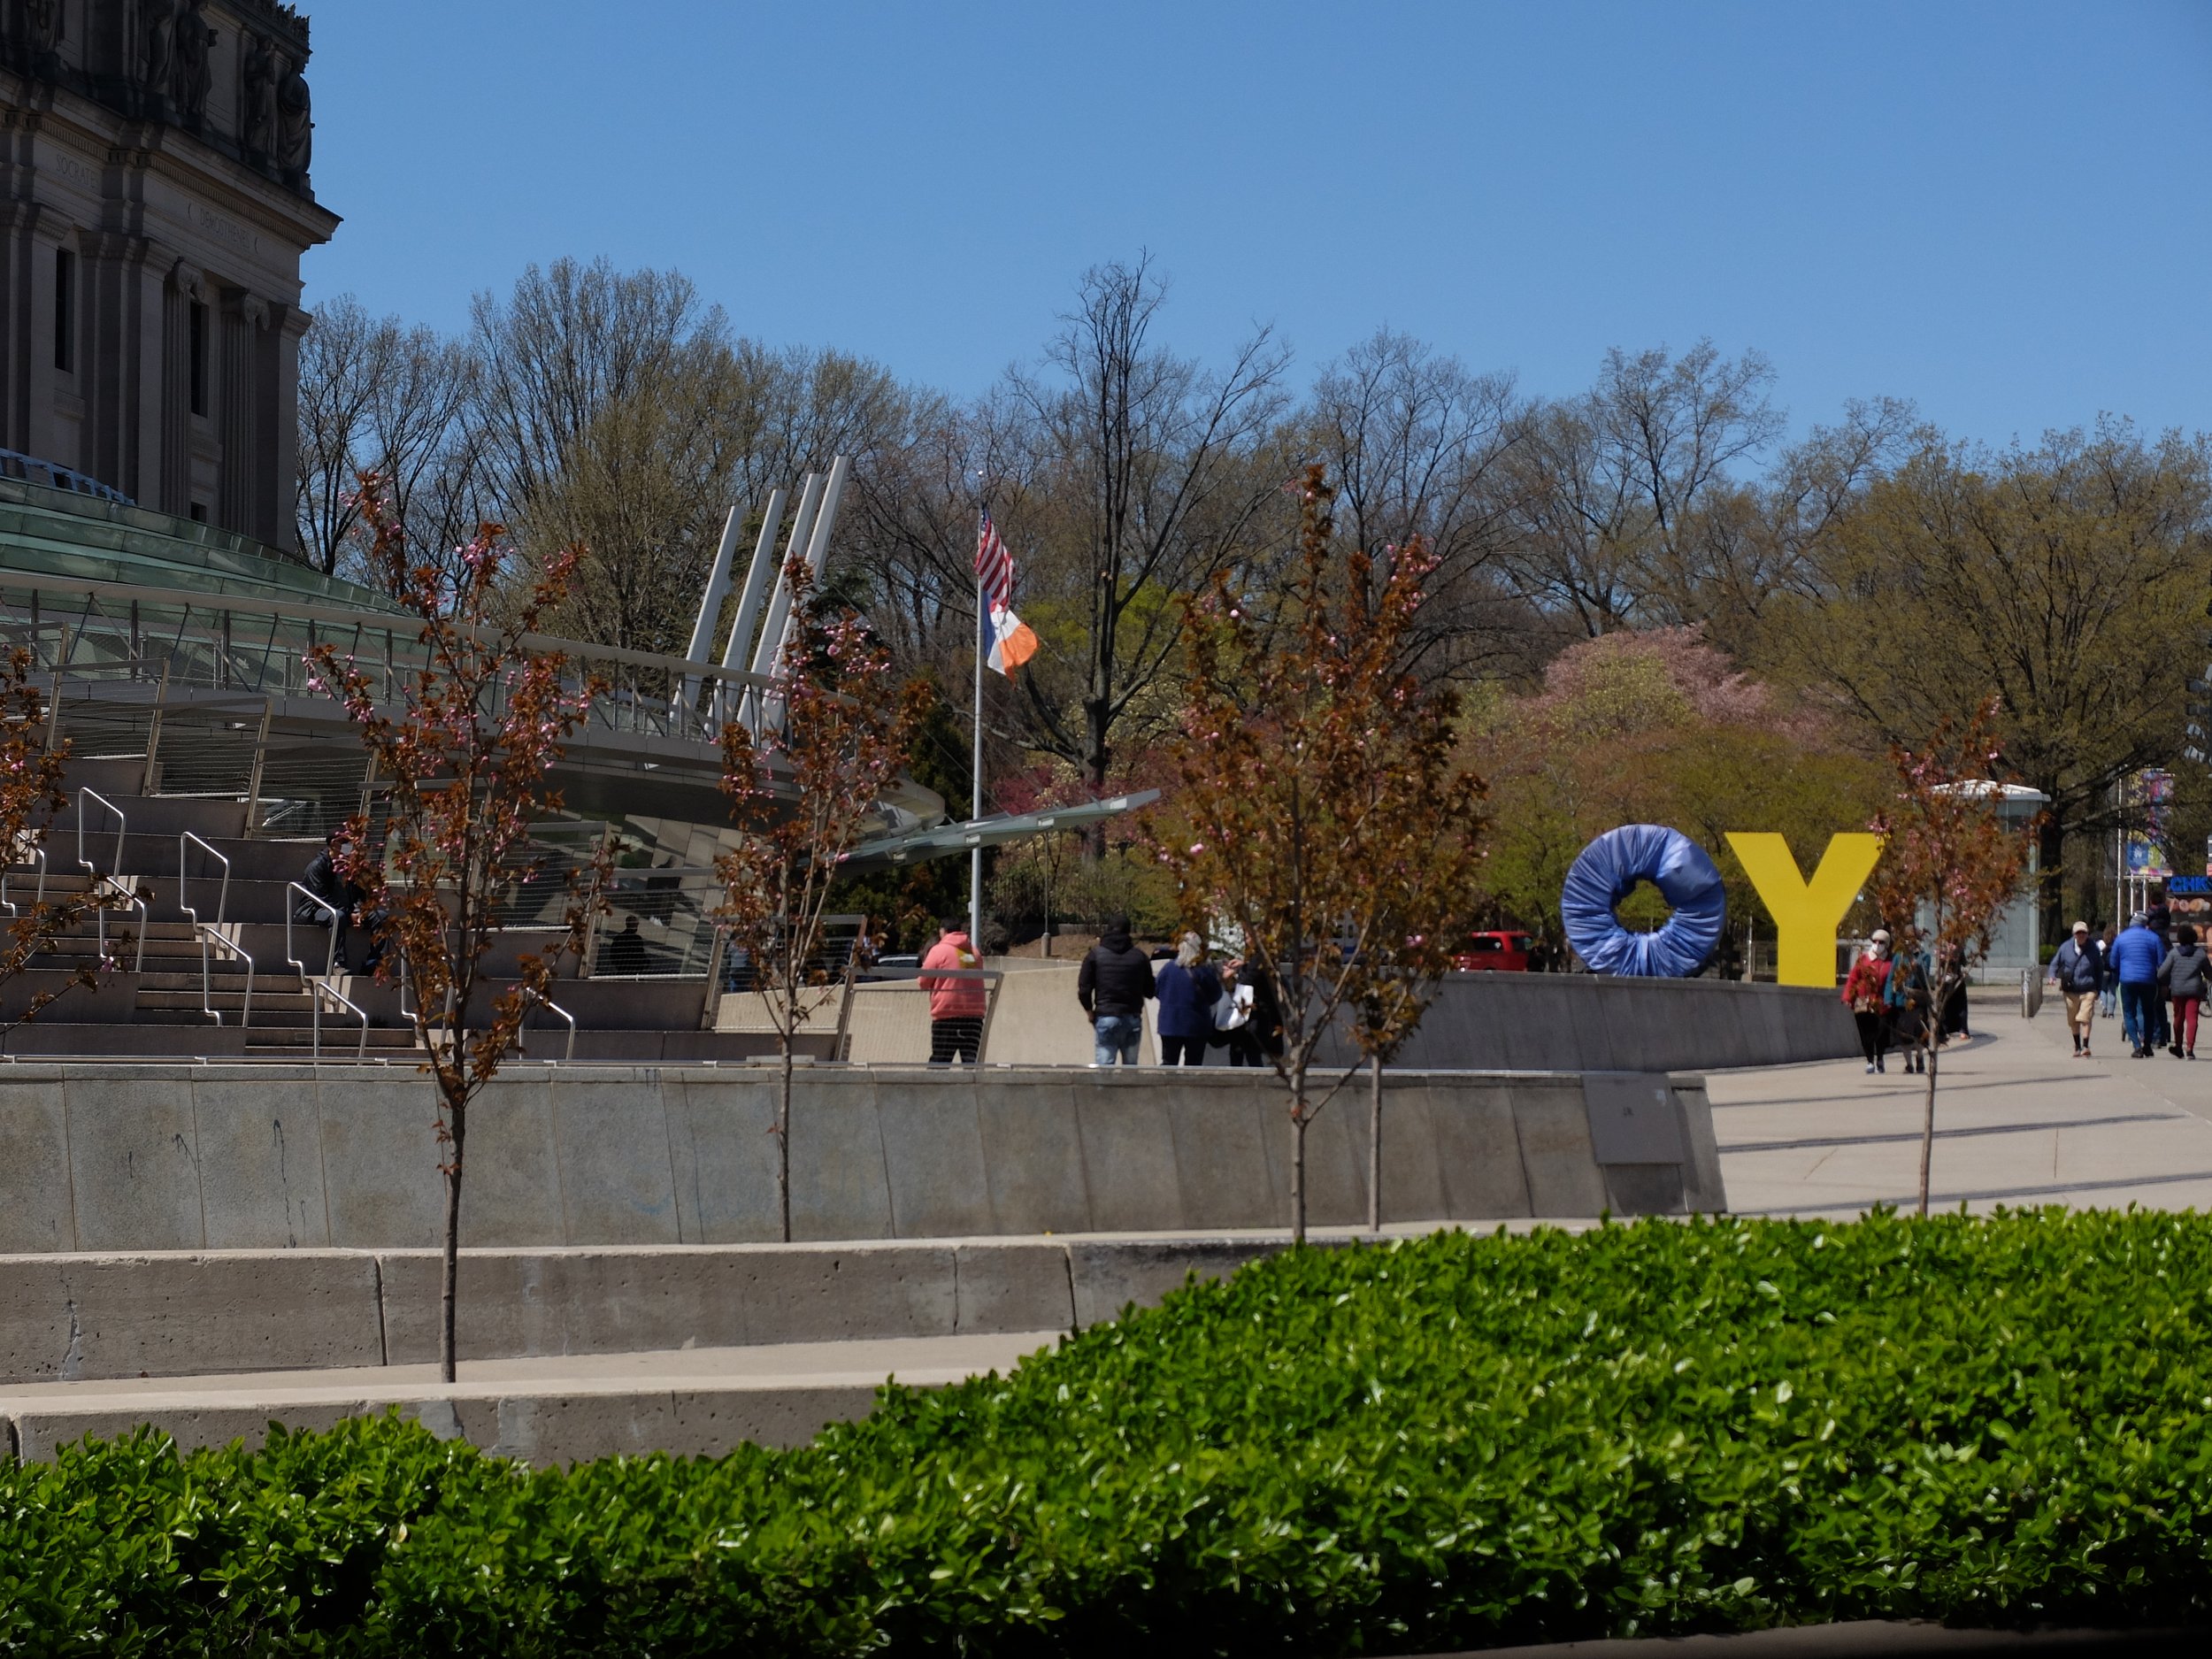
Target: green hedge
pixel 1463 1440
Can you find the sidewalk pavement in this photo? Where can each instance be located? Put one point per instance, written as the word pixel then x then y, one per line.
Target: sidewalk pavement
pixel 2019 1121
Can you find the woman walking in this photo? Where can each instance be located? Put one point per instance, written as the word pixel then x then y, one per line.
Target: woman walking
pixel 1864 989
pixel 2184 971
pixel 1189 989
pixel 1909 997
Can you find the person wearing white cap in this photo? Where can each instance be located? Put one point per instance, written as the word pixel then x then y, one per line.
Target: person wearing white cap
pixel 2077 970
pixel 1864 989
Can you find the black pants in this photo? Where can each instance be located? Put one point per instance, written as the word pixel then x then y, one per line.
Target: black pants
pixel 951 1040
pixel 1182 1051
pixel 1873 1033
pixel 316 916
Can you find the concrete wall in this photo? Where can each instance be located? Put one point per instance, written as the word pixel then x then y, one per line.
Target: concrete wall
pixel 1593 1022
pixel 80 1319
pixel 1500 1022
pixel 123 1157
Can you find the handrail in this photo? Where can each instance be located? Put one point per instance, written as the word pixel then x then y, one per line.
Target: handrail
pixel 204 930
pixel 114 879
pixel 330 957
pixel 317 989
pixel 545 1001
pixel 122 828
pixel 15 912
pixel 184 877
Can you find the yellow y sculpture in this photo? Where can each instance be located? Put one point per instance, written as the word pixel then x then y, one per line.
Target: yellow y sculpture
pixel 1805 913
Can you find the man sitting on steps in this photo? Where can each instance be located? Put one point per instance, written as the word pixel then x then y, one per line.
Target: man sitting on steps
pixel 339 896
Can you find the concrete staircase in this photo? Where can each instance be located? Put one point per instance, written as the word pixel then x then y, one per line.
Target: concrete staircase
pixel 197 956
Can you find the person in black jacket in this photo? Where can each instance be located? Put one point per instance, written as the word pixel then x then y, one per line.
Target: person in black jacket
pixel 338 896
pixel 1114 985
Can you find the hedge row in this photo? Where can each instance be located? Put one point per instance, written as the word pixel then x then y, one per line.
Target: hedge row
pixel 1458 1441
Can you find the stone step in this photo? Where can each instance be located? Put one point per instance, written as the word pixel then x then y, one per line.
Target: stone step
pixel 690 1402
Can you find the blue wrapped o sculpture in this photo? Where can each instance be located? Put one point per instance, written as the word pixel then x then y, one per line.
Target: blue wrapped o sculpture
pixel 1608 871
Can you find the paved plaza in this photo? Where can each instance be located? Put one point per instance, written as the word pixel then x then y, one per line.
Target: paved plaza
pixel 2019 1121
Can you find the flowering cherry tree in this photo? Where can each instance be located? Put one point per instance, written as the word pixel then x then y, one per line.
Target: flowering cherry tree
pixel 31 794
pixel 464 741
pixel 1317 811
pixel 1949 866
pixel 833 727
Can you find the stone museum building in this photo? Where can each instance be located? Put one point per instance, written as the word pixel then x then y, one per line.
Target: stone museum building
pixel 154 202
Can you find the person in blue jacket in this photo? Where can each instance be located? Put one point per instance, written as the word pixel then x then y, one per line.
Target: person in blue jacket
pixel 2136 955
pixel 1189 989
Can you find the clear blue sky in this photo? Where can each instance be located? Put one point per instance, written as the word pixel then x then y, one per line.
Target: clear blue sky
pixel 2002 210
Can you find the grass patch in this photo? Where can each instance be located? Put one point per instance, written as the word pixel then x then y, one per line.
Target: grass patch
pixel 1457 1442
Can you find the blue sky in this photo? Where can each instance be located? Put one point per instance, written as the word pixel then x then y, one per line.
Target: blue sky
pixel 2002 210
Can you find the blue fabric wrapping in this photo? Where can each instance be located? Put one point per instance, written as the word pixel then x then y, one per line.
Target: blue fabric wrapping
pixel 1608 870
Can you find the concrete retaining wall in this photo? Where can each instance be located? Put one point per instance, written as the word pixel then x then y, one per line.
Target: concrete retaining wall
pixel 81 1318
pixel 1575 1022
pixel 125 1157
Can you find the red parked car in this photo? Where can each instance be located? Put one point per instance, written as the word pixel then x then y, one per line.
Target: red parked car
pixel 1493 952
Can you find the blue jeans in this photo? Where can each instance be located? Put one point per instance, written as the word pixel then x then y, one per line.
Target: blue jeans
pixel 2137 1004
pixel 1117 1036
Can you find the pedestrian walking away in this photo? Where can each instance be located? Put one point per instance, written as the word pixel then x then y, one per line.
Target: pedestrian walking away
pixel 2108 1001
pixel 1187 988
pixel 2077 970
pixel 1909 997
pixel 1864 988
pixel 959 996
pixel 2184 969
pixel 1114 985
pixel 2137 955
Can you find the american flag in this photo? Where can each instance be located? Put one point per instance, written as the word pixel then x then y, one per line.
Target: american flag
pixel 994 566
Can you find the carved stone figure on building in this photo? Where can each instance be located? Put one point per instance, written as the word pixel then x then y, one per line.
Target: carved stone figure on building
pixel 41 33
pixel 193 71
pixel 296 131
pixel 258 97
pixel 158 27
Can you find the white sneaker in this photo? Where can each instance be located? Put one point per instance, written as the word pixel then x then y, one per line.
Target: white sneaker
pixel 1870 1068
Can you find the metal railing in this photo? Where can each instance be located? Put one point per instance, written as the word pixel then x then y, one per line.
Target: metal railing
pixel 38 898
pixel 552 1006
pixel 90 628
pixel 112 880
pixel 122 830
pixel 318 989
pixel 206 930
pixel 291 914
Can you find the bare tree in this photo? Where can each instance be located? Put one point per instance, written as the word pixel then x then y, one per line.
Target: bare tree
pixel 1418 445
pixel 1610 489
pixel 1149 474
pixel 377 395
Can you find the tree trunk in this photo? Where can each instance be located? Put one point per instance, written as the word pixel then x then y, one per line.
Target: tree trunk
pixel 449 1282
pixel 1374 1143
pixel 2050 897
pixel 783 1145
pixel 1927 1122
pixel 1298 1156
pixel 1096 760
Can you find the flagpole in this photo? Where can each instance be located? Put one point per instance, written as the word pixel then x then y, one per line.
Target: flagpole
pixel 975 774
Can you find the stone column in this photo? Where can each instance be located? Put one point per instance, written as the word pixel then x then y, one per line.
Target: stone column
pixel 238 411
pixel 172 492
pixel 124 296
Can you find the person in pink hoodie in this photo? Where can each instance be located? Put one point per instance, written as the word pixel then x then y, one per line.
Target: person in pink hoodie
pixel 957 1003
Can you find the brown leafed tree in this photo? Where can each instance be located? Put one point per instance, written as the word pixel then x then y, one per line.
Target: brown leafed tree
pixel 464 739
pixel 1318 815
pixel 804 781
pixel 1950 864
